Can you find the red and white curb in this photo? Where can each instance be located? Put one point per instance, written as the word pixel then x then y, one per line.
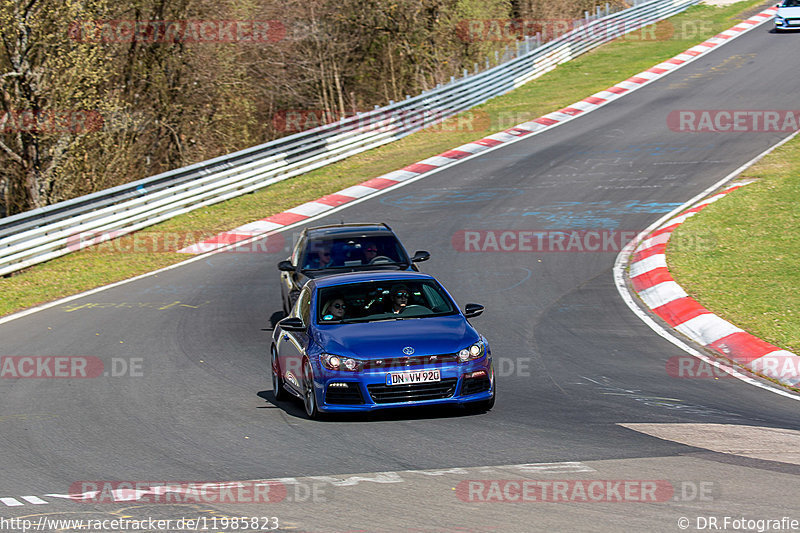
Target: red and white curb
pixel 652 281
pixel 327 203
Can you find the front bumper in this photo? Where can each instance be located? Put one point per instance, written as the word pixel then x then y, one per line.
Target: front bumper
pixel 787 24
pixel 367 391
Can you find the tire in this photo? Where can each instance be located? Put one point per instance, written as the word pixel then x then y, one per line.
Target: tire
pixel 288 302
pixel 277 379
pixel 483 405
pixel 488 404
pixel 309 397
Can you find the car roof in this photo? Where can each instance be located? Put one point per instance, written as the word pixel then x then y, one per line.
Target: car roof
pixel 371 275
pixel 349 230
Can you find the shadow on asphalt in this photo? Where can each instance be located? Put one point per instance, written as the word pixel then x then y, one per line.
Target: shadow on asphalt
pixel 294 407
pixel 274 319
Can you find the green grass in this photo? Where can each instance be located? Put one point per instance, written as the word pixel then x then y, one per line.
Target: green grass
pixel 569 83
pixel 748 270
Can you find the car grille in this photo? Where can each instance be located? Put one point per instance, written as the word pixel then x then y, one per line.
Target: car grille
pixel 381 393
pixel 344 395
pixel 474 386
pixel 417 360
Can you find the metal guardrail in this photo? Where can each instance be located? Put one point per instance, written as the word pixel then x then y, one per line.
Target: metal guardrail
pixel 43 234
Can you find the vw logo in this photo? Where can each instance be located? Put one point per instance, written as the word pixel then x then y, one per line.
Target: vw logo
pixel 408 350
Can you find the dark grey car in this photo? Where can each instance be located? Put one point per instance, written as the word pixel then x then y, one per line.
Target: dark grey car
pixel 333 249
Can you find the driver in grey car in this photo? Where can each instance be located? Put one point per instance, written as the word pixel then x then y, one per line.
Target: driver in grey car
pixel 370 251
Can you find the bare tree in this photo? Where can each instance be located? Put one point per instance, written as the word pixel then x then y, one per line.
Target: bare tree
pixel 51 94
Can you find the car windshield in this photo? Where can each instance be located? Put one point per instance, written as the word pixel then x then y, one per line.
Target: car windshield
pixel 382 300
pixel 791 3
pixel 348 252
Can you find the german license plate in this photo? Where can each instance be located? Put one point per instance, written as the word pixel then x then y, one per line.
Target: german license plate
pixel 407 378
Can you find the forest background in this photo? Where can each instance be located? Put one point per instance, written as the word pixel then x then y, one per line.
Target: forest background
pixel 96 93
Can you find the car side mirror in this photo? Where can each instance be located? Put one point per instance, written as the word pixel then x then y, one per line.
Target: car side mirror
pixel 286 266
pixel 473 310
pixel 420 256
pixel 292 323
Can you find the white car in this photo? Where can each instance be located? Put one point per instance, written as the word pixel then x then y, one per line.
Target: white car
pixel 788 15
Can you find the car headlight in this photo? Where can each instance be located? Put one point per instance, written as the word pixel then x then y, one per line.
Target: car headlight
pixel 476 351
pixel 337 362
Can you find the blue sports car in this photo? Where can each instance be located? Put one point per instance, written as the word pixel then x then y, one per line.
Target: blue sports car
pixel 372 340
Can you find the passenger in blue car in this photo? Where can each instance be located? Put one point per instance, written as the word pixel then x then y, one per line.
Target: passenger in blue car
pixel 334 310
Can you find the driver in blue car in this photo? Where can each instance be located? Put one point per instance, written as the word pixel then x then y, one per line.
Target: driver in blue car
pixel 399 296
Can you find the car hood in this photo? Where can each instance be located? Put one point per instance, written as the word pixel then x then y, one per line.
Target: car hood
pixel 789 12
pixel 322 272
pixel 379 340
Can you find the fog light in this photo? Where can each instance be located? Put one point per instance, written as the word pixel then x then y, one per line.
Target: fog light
pixel 476 374
pixel 339 385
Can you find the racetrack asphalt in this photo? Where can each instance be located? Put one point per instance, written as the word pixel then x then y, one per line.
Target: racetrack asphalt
pixel 573 362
